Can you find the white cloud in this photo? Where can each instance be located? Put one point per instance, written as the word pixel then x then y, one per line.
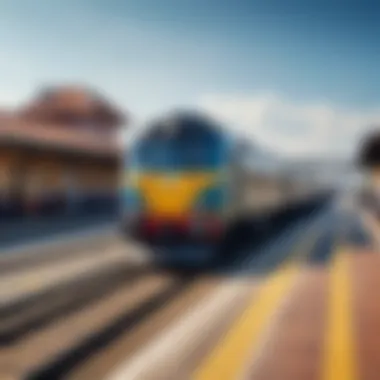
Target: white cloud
pixel 293 128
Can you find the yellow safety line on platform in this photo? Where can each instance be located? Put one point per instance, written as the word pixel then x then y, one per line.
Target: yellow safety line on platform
pixel 228 359
pixel 339 357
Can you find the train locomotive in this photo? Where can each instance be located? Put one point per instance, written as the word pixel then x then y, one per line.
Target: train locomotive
pixel 185 180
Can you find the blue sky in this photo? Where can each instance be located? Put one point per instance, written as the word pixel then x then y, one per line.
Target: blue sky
pixel 149 55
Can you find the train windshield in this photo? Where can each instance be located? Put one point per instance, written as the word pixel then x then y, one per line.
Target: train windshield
pixel 184 150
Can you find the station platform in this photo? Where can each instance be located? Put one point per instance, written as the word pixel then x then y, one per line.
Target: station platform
pixel 313 322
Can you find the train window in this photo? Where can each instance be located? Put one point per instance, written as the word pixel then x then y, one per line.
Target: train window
pixel 186 144
pixel 179 153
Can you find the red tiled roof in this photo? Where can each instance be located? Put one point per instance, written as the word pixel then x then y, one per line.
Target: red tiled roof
pixel 52 103
pixel 17 130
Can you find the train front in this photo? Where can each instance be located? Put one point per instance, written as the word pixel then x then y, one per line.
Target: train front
pixel 175 190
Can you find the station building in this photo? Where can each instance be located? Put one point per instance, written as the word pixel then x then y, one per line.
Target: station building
pixel 60 153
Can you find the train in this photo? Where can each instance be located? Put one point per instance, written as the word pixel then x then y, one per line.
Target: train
pixel 186 179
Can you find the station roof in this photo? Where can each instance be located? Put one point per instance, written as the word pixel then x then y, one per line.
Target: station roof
pixel 15 130
pixel 65 118
pixel 70 103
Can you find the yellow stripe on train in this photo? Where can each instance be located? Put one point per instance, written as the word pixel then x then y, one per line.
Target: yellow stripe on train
pixel 170 194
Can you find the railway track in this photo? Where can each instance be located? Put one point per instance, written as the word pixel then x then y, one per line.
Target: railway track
pixel 81 315
pixel 68 316
pixel 36 254
pixel 45 332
